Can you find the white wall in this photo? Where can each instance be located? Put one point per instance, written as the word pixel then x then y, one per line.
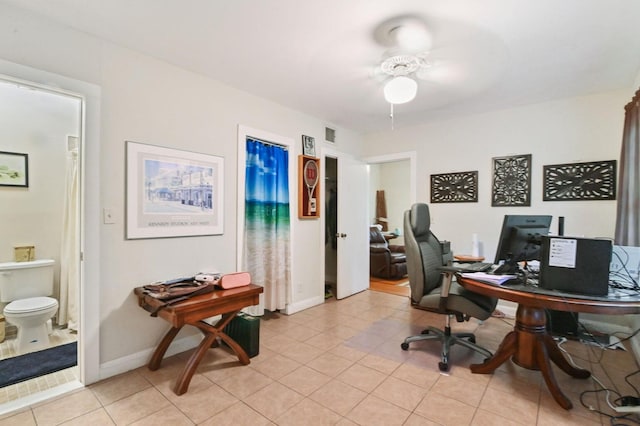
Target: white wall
pixel 565 131
pixel 35 123
pixel 149 101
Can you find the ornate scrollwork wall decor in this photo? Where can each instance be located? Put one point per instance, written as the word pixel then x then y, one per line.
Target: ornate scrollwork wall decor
pixel 459 187
pixel 580 181
pixel 511 181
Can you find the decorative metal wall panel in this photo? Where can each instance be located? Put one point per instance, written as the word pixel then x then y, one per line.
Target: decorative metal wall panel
pixel 580 181
pixel 511 181
pixel 459 187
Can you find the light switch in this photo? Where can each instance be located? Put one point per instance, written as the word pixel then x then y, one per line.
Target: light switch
pixel 107 216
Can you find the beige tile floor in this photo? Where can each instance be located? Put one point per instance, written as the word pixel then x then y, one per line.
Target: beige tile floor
pixel 341 363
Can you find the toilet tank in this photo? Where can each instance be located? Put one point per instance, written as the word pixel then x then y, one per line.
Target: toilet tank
pixel 19 280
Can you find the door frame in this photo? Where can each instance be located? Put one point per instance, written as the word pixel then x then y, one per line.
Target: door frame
pixel 89 166
pixel 412 156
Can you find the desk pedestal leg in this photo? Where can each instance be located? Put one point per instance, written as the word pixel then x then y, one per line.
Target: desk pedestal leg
pixel 156 359
pixel 531 347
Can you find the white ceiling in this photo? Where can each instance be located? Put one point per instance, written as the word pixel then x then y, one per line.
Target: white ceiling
pixel 320 56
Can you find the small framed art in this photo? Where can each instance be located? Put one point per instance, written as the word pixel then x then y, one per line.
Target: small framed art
pixel 14 169
pixel 511 181
pixel 308 146
pixel 595 180
pixel 458 187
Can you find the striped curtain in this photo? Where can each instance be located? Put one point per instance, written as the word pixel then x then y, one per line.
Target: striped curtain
pixel 266 252
pixel 628 211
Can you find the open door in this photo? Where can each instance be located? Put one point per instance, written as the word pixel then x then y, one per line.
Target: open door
pixel 352 234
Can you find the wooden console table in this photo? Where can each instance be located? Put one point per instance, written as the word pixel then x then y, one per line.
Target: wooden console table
pixel 193 311
pixel 529 345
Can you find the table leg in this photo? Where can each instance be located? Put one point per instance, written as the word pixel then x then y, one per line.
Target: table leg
pixel 531 347
pixel 182 384
pixel 211 332
pixel 505 351
pixel 157 356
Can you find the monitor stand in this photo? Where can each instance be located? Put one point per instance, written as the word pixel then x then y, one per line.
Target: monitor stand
pixel 508 267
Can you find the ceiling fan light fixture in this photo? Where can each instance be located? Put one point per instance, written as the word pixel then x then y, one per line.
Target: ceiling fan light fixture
pixel 400 90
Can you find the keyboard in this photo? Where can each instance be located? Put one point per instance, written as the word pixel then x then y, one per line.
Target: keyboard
pixel 476 267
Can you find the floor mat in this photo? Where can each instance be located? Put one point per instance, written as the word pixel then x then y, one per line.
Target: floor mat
pixel 35 364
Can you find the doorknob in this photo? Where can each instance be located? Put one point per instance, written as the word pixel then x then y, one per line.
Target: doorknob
pixel 340 235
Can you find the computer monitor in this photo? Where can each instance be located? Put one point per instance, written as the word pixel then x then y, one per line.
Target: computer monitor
pixel 520 239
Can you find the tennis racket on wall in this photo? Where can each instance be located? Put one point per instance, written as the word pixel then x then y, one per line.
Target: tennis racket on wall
pixel 311 177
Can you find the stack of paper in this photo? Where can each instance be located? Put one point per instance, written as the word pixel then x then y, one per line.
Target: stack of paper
pixel 488 278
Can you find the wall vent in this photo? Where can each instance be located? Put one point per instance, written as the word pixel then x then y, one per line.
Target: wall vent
pixel 329 134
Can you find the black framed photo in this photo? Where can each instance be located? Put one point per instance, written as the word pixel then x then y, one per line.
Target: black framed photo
pixel 457 187
pixel 308 146
pixel 14 169
pixel 511 181
pixel 594 180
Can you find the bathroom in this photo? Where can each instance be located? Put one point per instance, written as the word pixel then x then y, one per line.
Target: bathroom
pixel 42 211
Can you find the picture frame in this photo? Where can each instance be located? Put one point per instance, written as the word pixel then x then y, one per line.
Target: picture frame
pixel 308 146
pixel 14 169
pixel 308 187
pixel 595 180
pixel 457 187
pixel 172 193
pixel 511 181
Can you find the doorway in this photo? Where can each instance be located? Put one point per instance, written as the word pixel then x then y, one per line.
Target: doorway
pixel 331 227
pixel 346 232
pixel 46 126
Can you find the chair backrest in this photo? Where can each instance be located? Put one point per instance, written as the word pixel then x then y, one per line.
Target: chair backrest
pixel 423 251
pixel 376 237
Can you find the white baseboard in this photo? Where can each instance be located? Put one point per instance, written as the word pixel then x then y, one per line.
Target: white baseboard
pixel 292 308
pixel 138 359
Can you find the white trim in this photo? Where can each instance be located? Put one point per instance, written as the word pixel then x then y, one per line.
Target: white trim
pixel 89 94
pixel 292 308
pixel 412 156
pixel 141 358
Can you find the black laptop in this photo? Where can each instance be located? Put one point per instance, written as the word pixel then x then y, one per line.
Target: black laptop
pixel 575 265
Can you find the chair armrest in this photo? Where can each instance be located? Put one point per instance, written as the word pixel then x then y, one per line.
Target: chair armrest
pixel 378 249
pixel 448 273
pixel 396 248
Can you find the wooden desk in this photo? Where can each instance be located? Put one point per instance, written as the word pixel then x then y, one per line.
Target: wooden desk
pixel 192 312
pixel 529 345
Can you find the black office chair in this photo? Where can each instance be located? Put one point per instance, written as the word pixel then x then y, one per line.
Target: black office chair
pixel 434 289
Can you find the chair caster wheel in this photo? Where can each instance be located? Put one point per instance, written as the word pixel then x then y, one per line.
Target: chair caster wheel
pixel 443 366
pixel 404 346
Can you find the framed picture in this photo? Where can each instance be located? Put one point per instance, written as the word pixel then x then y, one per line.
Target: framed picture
pixel 308 187
pixel 580 181
pixel 308 146
pixel 14 169
pixel 459 187
pixel 511 181
pixel 173 193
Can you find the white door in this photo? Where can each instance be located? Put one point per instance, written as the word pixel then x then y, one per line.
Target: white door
pixel 353 230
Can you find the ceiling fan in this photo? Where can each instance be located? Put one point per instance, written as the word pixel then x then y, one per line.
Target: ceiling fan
pixel 409 42
pixel 452 56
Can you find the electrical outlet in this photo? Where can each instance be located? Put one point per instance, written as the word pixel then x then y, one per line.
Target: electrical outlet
pixel 107 216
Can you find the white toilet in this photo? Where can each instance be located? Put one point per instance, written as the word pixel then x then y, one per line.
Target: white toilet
pixel 26 285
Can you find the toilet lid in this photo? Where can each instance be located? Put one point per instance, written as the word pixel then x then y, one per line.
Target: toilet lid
pixel 31 304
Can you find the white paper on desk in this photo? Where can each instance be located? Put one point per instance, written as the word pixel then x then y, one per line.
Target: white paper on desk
pixel 490 278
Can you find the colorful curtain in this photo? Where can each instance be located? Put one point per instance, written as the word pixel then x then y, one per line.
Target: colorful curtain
pixel 266 221
pixel 628 212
